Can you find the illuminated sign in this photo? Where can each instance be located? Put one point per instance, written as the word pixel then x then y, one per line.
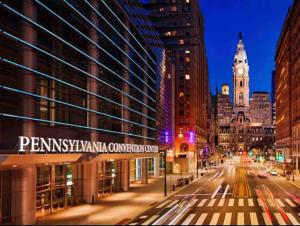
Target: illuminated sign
pixel 51 145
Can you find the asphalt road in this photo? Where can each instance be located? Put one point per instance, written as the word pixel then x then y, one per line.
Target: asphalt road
pixel 232 194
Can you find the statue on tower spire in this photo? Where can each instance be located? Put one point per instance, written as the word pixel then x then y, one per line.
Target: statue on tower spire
pixel 240 35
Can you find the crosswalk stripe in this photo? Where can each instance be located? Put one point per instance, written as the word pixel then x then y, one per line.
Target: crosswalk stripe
pixel 227 219
pixel 188 220
pixel 231 202
pixel 134 223
pixel 266 219
pixel 280 203
pixel 253 218
pixel 201 219
pixel 202 202
pixel 290 203
pixel 241 202
pixel 293 219
pixel 193 202
pixel 172 203
pixel 221 203
pixel 150 220
pixel 214 219
pixel 279 219
pixel 271 203
pixel 250 202
pixel 240 219
pixel 143 217
pixel 163 204
pixel 211 203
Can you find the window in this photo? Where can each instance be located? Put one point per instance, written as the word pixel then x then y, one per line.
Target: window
pixel 241 83
pixel 187 77
pixel 173 9
pixel 187 51
pixel 187 59
pixel 181 42
pixel 181 94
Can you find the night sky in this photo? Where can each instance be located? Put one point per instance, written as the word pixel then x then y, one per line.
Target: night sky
pixel 260 22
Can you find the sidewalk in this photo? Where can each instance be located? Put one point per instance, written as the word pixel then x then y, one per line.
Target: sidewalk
pixel 296 183
pixel 117 208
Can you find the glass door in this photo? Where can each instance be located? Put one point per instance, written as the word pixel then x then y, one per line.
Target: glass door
pixel 43 190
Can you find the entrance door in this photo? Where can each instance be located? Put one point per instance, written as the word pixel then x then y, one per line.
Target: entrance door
pixel 5 197
pixel 106 177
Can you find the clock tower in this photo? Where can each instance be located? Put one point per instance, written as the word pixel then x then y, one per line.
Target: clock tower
pixel 241 78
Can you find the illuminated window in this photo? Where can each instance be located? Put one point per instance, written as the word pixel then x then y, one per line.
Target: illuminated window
pixel 187 51
pixel 173 9
pixel 187 77
pixel 181 41
pixel 187 1
pixel 181 94
pixel 162 9
pixel 187 59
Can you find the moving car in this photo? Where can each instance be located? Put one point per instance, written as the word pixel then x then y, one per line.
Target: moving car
pixel 262 175
pixel 273 173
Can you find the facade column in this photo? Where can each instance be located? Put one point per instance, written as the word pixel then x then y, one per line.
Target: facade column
pixel 90 182
pixel 29 60
pixel 156 167
pixel 144 170
pixel 125 175
pixel 23 199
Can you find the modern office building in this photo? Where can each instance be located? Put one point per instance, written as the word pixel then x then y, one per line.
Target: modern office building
pixel 79 97
pixel 287 89
pixel 181 28
pixel 261 108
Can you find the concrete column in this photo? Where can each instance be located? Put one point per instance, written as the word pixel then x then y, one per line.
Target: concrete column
pixel 90 182
pixel 144 169
pixel 156 167
pixel 23 190
pixel 29 60
pixel 125 175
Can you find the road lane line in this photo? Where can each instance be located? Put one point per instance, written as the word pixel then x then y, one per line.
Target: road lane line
pixel 240 219
pixel 279 219
pixel 211 203
pixel 163 204
pixel 231 202
pixel 227 219
pixel 216 191
pixel 241 202
pixel 280 203
pixel 221 203
pixel 188 220
pixel 293 219
pixel 250 202
pixel 266 219
pixel 150 220
pixel 202 203
pixel 253 218
pixel 172 204
pixel 143 217
pixel 201 219
pixel 291 204
pixel 225 192
pixel 214 219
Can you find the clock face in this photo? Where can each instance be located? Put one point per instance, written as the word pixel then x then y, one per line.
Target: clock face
pixel 241 71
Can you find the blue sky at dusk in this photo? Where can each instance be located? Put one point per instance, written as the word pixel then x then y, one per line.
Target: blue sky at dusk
pixel 260 21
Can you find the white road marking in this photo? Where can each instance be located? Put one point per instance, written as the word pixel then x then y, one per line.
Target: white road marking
pixel 193 202
pixel 150 220
pixel 221 203
pixel 290 203
pixel 225 192
pixel 172 204
pixel 279 219
pixel 293 219
pixel 240 219
pixel 211 203
pixel 216 191
pixel 227 219
pixel 241 202
pixel 202 202
pixel 266 219
pixel 280 203
pixel 253 218
pixel 201 219
pixel 271 203
pixel 231 202
pixel 250 202
pixel 134 223
pixel 163 204
pixel 188 220
pixel 143 217
pixel 214 219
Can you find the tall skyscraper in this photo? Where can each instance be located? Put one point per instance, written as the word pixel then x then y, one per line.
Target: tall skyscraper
pixel 181 28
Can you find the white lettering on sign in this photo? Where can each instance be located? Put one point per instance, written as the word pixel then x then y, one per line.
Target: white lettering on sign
pixel 51 145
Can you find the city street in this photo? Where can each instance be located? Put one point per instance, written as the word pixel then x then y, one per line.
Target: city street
pixel 238 193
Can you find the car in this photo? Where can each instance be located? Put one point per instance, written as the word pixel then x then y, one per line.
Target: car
pixel 262 175
pixel 273 173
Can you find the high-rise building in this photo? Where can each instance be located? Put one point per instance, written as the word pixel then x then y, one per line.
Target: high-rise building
pixel 79 97
pixel 244 125
pixel 181 28
pixel 287 83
